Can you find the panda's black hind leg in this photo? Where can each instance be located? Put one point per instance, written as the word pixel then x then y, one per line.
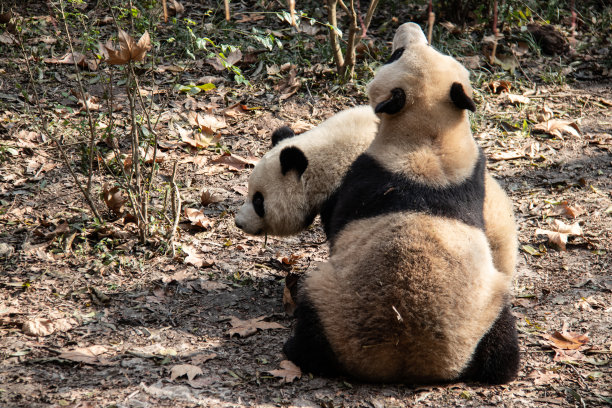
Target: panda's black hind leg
pixel 308 347
pixel 496 359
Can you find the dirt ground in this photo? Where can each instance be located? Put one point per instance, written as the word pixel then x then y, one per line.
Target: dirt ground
pixel 91 318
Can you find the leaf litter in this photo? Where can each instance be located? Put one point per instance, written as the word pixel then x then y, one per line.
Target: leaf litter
pixel 193 316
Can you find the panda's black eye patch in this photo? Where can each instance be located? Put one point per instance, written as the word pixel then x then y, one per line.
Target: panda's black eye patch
pixel 396 55
pixel 258 204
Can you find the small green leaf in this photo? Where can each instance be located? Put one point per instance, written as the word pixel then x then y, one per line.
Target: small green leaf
pixel 206 87
pixel 466 395
pixel 531 250
pixel 594 375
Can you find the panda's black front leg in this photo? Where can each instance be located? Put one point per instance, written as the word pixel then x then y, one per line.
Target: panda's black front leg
pixel 308 347
pixel 496 359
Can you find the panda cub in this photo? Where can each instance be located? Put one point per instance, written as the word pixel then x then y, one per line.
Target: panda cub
pixel 410 292
pixel 290 183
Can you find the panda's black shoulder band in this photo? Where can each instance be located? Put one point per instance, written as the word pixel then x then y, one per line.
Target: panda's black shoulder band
pixel 281 133
pixel 292 158
pixel 460 99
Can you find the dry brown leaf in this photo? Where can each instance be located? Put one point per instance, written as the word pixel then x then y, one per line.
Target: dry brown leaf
pixel 568 355
pixel 207 123
pixel 198 218
pixel 114 198
pixel 196 258
pixel 288 372
pixel 543 378
pixel 516 99
pixel 191 371
pixel 38 327
pixel 560 232
pixel 507 155
pixel 567 340
pixel 88 101
pixel 218 62
pixel 291 260
pixel 245 328
pixel 235 110
pixel 249 18
pixel 543 114
pixel 147 157
pixel 556 127
pixel 72 58
pixel 566 210
pixel 207 198
pixel 235 162
pixel 129 50
pixel 499 86
pixel 86 355
pixel 44 326
pixel 202 358
pixel 8 39
pixel 289 85
pixel 5 17
pixel 212 285
pixel 175 8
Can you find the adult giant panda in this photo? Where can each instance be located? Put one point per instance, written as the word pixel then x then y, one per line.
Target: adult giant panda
pixel 291 182
pixel 410 292
pixel 283 202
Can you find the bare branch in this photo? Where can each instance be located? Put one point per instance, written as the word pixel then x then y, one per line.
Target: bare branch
pixel 45 130
pixel 369 16
pixel 333 36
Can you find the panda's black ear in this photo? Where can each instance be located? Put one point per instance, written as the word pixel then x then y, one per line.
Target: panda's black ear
pixel 460 99
pixel 394 104
pixel 395 56
pixel 292 158
pixel 281 133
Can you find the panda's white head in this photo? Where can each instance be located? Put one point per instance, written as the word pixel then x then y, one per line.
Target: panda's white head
pixel 420 85
pixel 290 184
pixel 277 201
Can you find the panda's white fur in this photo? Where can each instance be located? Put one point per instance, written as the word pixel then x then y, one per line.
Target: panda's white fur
pixel 291 200
pixel 410 292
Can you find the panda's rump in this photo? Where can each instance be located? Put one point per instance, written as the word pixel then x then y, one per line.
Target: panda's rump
pixel 406 297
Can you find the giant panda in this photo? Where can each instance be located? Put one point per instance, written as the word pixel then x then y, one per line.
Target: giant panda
pixel 410 292
pixel 291 182
pixel 283 202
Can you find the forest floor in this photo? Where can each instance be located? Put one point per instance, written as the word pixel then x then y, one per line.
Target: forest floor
pixel 90 317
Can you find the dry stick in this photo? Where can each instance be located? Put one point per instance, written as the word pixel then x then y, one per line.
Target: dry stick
pixel 495 33
pixel 431 17
pixel 176 208
pixel 574 15
pixel 142 226
pixel 349 62
pixel 333 37
pixel 227 10
pixel 369 15
pixel 117 153
pixel 46 131
pixel 292 11
pixel 92 128
pixel 165 7
pixel 151 131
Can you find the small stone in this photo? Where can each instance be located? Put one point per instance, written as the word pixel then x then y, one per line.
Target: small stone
pixel 6 250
